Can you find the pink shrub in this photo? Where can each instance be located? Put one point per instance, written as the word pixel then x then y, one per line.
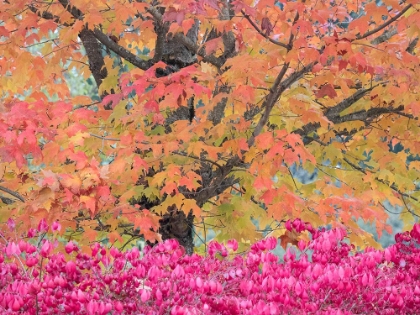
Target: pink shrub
pixel 36 279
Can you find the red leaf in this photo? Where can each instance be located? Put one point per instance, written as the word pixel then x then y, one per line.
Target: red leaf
pixel 13 153
pixel 262 182
pixel 342 64
pixel 4 32
pixel 187 182
pixel 151 107
pixel 169 188
pixel 80 158
pixel 326 90
pixel 269 195
pixel 174 15
pixel 113 99
pixel 212 45
pixel 266 26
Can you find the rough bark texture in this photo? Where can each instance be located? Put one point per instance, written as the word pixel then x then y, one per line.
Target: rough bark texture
pixel 94 52
pixel 176 225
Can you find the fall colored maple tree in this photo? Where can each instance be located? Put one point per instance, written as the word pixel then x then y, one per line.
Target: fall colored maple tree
pixel 205 109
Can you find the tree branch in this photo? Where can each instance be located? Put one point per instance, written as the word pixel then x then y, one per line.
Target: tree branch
pixel 71 9
pixel 93 49
pixel 307 129
pixel 198 158
pixel 380 27
pixel 367 115
pixel 385 36
pixel 155 13
pixel 45 15
pixel 255 26
pixel 13 193
pixel 107 42
pixel 276 90
pixel 121 51
pixel 392 185
pixel 412 46
pixel 346 103
pixel 269 102
pixel 95 57
pixel 161 29
pixel 193 47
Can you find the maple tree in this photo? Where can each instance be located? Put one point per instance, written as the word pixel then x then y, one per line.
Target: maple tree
pixel 205 107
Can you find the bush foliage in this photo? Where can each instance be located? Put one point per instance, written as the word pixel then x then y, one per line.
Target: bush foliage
pixel 322 276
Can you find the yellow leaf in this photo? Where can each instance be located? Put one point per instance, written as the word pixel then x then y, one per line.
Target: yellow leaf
pixel 73 183
pixel 190 204
pixel 44 199
pixel 79 138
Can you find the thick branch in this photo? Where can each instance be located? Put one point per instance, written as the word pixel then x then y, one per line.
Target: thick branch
pixel 161 29
pixel 107 42
pixel 307 130
pixel 193 47
pixel 368 115
pixel 155 13
pixel 45 14
pixel 274 95
pixel 216 115
pixel 121 51
pixel 222 175
pixel 269 103
pixel 94 54
pixel 333 113
pixel 72 9
pixel 412 46
pixel 346 103
pixel 93 49
pixel 365 116
pixel 385 36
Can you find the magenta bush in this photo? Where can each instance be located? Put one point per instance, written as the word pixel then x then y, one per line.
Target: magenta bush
pixel 36 279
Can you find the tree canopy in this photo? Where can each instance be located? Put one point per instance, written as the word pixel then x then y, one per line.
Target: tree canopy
pixel 204 111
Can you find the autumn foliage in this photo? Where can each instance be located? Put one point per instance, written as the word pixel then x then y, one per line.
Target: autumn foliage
pixel 203 112
pixel 324 279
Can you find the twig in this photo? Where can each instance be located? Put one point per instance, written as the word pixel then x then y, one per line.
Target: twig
pixel 86 105
pixel 104 138
pixel 355 166
pixel 288 47
pixel 198 158
pixel 406 206
pixel 394 188
pixel 293 178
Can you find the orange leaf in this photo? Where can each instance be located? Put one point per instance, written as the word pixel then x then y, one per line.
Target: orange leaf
pixel 90 203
